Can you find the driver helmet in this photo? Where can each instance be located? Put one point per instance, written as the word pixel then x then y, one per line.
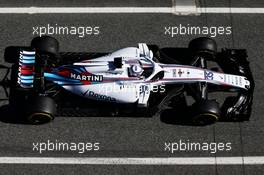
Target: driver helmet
pixel 136 70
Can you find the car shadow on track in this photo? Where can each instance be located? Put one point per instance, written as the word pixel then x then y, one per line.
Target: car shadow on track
pixel 176 117
pixel 10 115
pixel 169 116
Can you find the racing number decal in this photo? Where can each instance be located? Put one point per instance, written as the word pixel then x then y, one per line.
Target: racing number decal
pixel 209 75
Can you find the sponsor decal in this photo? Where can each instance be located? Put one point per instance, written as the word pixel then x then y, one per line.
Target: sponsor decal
pixel 209 75
pixel 174 72
pixel 188 73
pixel 180 72
pixel 84 77
pixel 240 81
pixel 25 73
pixel 92 94
pixel 236 80
pixel 225 78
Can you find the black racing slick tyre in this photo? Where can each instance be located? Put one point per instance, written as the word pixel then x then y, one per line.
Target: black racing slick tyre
pixel 205 112
pixel 40 110
pixel 154 49
pixel 203 46
pixel 46 44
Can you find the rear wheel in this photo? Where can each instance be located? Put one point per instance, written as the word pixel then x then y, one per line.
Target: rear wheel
pixel 47 49
pixel 46 44
pixel 40 110
pixel 47 56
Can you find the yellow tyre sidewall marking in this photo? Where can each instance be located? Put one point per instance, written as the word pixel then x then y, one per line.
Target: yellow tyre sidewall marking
pixel 205 114
pixel 41 114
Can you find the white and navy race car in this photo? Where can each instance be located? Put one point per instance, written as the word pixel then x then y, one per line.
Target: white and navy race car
pixel 132 75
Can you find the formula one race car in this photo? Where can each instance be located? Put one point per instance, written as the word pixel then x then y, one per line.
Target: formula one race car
pixel 145 77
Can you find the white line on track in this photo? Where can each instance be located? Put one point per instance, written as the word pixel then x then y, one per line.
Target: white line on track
pixel 36 10
pixel 247 160
pixel 184 7
pixel 229 10
pixel 174 9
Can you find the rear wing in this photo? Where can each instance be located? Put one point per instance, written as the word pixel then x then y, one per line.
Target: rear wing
pixel 26 67
pixel 23 61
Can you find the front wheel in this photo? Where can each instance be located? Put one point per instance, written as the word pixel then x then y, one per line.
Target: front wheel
pixel 205 112
pixel 203 47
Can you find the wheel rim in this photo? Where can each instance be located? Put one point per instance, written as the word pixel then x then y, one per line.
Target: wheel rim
pixel 40 118
pixel 205 119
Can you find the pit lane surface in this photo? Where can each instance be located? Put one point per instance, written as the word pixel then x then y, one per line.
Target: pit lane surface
pixel 136 137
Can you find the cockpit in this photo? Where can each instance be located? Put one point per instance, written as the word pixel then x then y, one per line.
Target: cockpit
pixel 139 68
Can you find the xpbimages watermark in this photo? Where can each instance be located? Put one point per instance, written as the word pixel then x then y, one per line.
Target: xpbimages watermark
pixel 128 88
pixel 189 146
pixel 212 31
pixel 80 147
pixel 79 31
